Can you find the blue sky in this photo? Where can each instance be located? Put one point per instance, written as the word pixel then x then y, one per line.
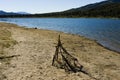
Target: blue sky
pixel 42 6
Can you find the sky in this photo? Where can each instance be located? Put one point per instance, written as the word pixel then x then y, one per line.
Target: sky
pixel 42 6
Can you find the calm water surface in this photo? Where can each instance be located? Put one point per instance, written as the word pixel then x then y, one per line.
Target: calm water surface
pixel 105 31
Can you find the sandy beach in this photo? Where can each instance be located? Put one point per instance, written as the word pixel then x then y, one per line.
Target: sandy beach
pixel 35 49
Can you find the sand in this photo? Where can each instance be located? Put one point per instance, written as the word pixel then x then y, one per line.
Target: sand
pixel 36 48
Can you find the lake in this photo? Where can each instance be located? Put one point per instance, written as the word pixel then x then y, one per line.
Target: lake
pixel 105 31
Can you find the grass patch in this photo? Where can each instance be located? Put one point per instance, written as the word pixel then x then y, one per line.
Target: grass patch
pixel 5 40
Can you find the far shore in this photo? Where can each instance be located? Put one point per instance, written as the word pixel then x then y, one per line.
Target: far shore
pixel 36 48
pixel 100 17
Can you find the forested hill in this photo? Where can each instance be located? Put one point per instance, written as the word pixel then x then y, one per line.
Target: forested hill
pixel 108 8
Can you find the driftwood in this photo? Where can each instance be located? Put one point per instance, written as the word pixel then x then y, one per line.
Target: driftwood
pixel 62 59
pixel 8 57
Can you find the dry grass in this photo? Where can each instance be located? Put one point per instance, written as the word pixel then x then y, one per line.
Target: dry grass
pixel 5 40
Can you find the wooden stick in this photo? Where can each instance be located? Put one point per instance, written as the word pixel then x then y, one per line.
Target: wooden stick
pixel 5 57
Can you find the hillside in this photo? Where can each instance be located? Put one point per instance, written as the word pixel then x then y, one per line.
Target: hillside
pixel 93 6
pixel 108 8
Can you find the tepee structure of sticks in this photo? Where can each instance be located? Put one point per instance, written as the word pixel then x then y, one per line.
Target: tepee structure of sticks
pixel 62 59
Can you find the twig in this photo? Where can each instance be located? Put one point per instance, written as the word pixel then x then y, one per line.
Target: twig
pixel 7 57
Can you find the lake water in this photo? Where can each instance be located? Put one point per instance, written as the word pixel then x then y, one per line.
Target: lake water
pixel 105 31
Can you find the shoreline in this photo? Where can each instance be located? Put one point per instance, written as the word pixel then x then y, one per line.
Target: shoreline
pixel 68 34
pixel 107 48
pixel 67 17
pixel 36 48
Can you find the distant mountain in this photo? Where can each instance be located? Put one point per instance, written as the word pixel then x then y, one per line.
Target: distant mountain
pixel 7 13
pixel 22 13
pixel 11 13
pixel 2 12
